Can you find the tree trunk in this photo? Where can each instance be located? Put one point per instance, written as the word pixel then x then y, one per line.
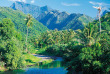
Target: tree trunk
pixel 37 45
pixel 26 39
pixel 41 45
pixel 100 22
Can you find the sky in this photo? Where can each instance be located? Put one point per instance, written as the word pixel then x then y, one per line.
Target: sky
pixel 70 6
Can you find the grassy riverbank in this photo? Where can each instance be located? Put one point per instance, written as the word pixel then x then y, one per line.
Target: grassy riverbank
pixel 30 60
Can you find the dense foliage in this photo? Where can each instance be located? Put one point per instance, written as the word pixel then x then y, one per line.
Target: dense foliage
pixel 85 51
pixel 55 37
pixel 10 45
pixel 18 18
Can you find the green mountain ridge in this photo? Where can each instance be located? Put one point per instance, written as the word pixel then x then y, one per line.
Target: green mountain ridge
pixel 18 19
pixel 53 18
pixel 63 20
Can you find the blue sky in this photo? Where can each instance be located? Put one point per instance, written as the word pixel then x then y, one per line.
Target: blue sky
pixel 70 6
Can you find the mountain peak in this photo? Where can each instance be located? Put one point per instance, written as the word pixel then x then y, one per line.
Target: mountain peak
pixel 53 18
pixel 46 8
pixel 30 9
pixel 19 2
pixel 64 12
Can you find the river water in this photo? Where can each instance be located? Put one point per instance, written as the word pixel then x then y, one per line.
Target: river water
pixel 55 67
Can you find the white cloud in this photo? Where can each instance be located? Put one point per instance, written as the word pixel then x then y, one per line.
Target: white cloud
pixel 19 0
pixel 72 4
pixel 24 1
pixel 97 3
pixel 14 0
pixel 32 1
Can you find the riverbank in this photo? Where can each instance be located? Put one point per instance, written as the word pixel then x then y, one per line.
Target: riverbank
pixel 35 59
pixel 46 57
pixel 32 59
pixel 55 67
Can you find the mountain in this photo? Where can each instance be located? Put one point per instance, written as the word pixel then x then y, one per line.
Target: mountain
pixel 106 11
pixel 63 20
pixel 53 18
pixel 18 19
pixel 31 9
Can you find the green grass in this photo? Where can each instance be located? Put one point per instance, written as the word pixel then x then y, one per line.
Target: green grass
pixel 30 59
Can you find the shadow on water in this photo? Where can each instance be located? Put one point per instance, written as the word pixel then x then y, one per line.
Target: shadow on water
pixel 54 64
pixel 56 67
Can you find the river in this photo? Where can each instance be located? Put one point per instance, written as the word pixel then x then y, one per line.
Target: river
pixel 55 67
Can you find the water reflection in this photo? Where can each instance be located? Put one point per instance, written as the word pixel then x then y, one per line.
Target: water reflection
pixel 55 67
pixel 54 64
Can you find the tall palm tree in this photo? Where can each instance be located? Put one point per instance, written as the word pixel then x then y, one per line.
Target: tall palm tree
pixel 89 35
pixel 28 23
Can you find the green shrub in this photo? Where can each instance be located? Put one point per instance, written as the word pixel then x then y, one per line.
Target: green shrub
pixel 13 55
pixel 58 49
pixel 2 63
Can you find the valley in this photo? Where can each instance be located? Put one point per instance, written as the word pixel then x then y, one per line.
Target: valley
pixel 40 40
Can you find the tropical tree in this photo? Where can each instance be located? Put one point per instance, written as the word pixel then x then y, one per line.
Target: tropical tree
pixel 89 35
pixel 28 23
pixel 10 45
pixel 13 55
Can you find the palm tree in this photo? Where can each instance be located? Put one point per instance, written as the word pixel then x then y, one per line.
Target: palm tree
pixel 89 35
pixel 28 23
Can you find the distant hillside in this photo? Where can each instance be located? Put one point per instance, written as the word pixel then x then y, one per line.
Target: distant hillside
pixel 106 11
pixel 63 20
pixel 31 9
pixel 53 18
pixel 18 18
